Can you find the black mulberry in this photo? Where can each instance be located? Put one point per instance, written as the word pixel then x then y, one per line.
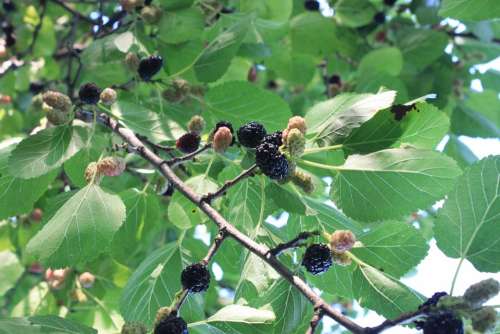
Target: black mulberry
pixel 379 17
pixel 7 28
pixel 271 161
pixel 188 142
pixel 312 5
pixel 444 322
pixel 89 93
pixel 317 258
pixel 275 138
pixel 433 300
pixel 171 325
pixel 389 2
pixel 195 278
pixel 335 80
pixel 251 134
pixel 8 5
pixel 149 66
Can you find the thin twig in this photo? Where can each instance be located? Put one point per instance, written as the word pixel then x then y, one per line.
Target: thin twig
pixel 295 242
pixel 208 198
pixel 402 319
pixel 75 13
pixel 178 160
pixel 316 318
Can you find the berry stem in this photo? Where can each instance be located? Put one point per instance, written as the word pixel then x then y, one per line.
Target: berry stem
pixel 208 198
pixel 316 318
pixel 402 319
pixel 322 149
pixel 295 242
pixel 319 165
pixel 179 160
pixel 455 276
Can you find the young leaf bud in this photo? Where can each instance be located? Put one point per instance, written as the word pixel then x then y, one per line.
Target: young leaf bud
pixel 342 241
pixel 196 124
pixel 57 100
pixel 295 143
pixel 111 166
pixel 222 139
pixel 108 96
pixel 481 292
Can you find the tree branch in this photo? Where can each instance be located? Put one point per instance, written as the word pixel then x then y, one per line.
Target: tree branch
pixel 208 198
pixel 258 249
pixel 316 318
pixel 75 12
pixel 295 242
pixel 402 319
pixel 178 160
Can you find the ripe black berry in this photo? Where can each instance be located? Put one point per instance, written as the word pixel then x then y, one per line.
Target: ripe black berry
pixel 147 2
pixel 171 325
pixel 335 80
pixel 36 87
pixel 271 162
pixel 195 278
pixel 10 40
pixel 188 142
pixel 149 66
pixel 433 300
pixel 227 10
pixel 251 134
pixel 311 5
pixel 7 28
pixel 8 5
pixel 444 322
pixel 275 138
pixel 89 93
pixel 317 258
pixel 389 2
pixel 379 17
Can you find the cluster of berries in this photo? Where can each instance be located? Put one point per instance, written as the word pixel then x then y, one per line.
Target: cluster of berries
pixel 109 166
pixel 146 67
pixel 318 258
pixel 90 93
pixel 8 30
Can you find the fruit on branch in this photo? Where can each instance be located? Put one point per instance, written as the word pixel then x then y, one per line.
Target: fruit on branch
pixel 297 122
pixel 7 28
pixel 218 126
pixel 342 259
pixel 57 100
pixel 295 143
pixel 36 87
pixel 10 40
pixel 303 180
pixel 56 116
pixel 111 166
pixel 195 278
pixel 222 139
pixel 87 280
pixel 149 66
pixel 442 322
pixel 151 14
pixel 479 293
pixel 275 138
pixel 484 319
pixel 131 5
pixel 196 124
pixel 252 74
pixel 36 214
pixel 132 61
pixel 342 241
pixel 177 92
pixel 171 324
pixel 379 18
pixel 134 328
pixel 317 258
pixel 432 301
pixel 312 5
pixel 89 93
pixel 8 5
pixel 188 142
pixel 56 278
pixel 389 2
pixel 335 80
pixel 251 134
pixel 271 161
pixel 91 173
pixel 108 96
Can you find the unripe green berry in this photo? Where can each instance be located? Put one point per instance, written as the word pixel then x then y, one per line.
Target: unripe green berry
pixel 151 14
pixel 481 292
pixel 303 180
pixel 134 328
pixel 57 100
pixel 108 96
pixel 342 259
pixel 56 116
pixel 342 241
pixel 295 143
pixel 484 319
pixel 196 124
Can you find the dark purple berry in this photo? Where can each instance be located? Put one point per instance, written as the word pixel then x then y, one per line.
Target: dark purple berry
pixel 7 28
pixel 227 10
pixel 36 87
pixel 335 80
pixel 148 2
pixel 149 66
pixel 311 5
pixel 389 2
pixel 275 138
pixel 317 258
pixel 8 5
pixel 251 134
pixel 379 17
pixel 10 40
pixel 442 322
pixel 195 278
pixel 89 93
pixel 171 325
pixel 188 142
pixel 433 300
pixel 271 161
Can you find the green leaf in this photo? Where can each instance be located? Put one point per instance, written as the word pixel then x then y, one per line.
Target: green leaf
pixel 470 10
pixel 467 225
pixel 460 152
pixel 13 188
pixel 237 319
pixel 217 56
pixel 392 183
pixel 382 293
pixel 333 120
pixel 421 47
pixel 143 212
pixel 46 150
pixel 182 212
pixel 423 127
pixel 328 218
pixel 80 230
pixel 240 102
pixel 43 325
pixel 312 34
pixel 392 247
pixel 181 26
pixel 278 10
pixel 10 271
pixel 336 281
pixel 386 60
pixel 354 13
pixel 152 286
